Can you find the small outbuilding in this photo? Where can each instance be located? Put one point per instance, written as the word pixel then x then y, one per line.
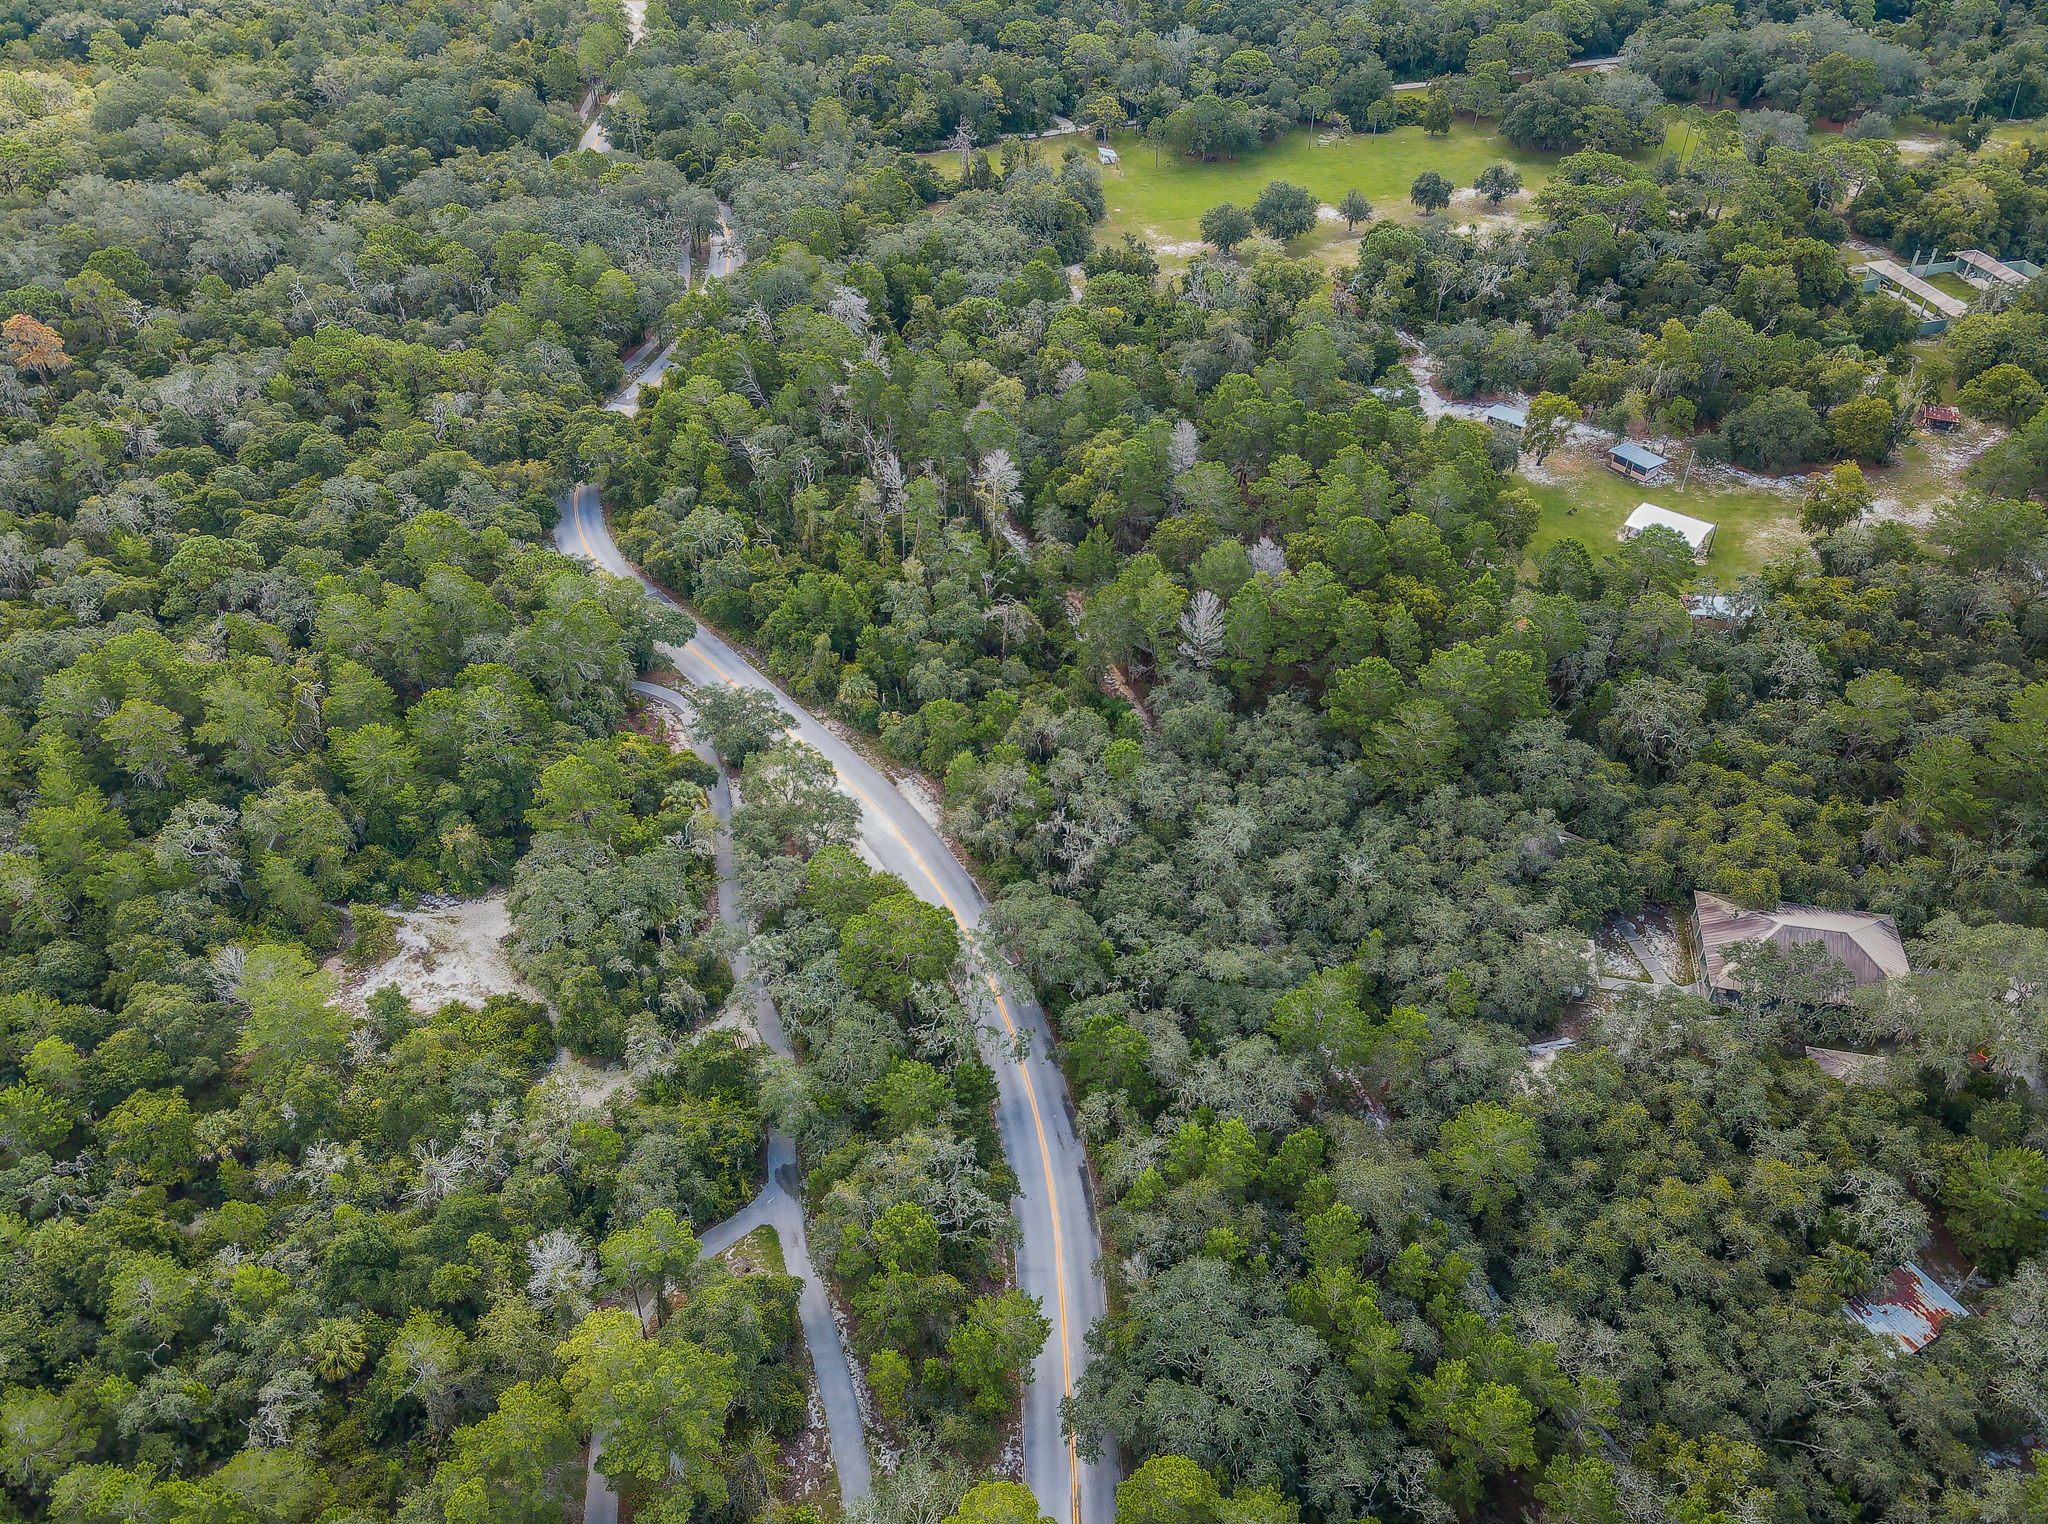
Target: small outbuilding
pixel 1908 1307
pixel 1635 462
pixel 1850 1068
pixel 1865 943
pixel 1942 418
pixel 1508 416
pixel 1105 153
pixel 1697 533
pixel 1983 271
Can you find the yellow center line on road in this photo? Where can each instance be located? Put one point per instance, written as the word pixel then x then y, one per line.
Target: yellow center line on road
pixel 1059 1258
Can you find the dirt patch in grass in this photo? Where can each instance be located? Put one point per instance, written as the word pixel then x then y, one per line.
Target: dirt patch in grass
pixel 587 1084
pixel 1667 934
pixel 1615 959
pixel 805 1458
pixel 808 1476
pixel 1929 470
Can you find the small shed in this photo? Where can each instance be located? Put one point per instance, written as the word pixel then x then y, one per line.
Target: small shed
pixel 1635 462
pixel 1508 416
pixel 1942 418
pixel 1850 1068
pixel 1697 533
pixel 1105 153
pixel 1908 1308
pixel 1867 944
pixel 1983 271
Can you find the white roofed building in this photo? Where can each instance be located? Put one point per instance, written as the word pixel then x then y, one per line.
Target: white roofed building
pixel 1697 533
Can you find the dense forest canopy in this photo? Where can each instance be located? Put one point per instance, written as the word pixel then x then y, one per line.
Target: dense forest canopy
pixel 1303 763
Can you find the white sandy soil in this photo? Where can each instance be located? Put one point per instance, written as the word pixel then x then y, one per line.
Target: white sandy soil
pixel 446 951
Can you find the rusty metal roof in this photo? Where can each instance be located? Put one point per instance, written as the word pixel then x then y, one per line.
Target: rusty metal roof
pixel 1909 1308
pixel 1868 945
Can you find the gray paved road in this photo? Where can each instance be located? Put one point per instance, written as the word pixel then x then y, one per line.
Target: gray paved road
pixel 1056 1260
pixel 722 259
pixel 779 1206
pixel 780 1203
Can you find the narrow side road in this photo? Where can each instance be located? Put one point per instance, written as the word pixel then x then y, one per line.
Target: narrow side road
pixel 780 1203
pixel 1054 1209
pixel 721 259
pixel 779 1206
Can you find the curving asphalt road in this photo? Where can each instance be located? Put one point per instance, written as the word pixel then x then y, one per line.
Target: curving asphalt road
pixel 1054 1208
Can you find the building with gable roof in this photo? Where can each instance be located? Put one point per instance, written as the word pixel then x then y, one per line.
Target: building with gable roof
pixel 1865 943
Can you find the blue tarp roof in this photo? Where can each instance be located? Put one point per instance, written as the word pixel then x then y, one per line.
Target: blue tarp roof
pixel 1640 458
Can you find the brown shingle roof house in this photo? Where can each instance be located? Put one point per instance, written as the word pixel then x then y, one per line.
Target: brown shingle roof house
pixel 1868 945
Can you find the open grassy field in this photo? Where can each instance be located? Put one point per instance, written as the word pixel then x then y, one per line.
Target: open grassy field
pixel 1581 499
pixel 1163 202
pixel 1928 470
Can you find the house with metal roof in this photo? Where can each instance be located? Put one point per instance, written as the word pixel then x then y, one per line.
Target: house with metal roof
pixel 1908 1308
pixel 1508 416
pixel 1867 944
pixel 1635 462
pixel 1697 533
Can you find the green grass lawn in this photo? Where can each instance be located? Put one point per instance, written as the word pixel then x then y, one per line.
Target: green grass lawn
pixel 1163 202
pixel 760 1252
pixel 1588 502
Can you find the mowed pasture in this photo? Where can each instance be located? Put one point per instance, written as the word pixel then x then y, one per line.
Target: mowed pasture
pixel 1163 202
pixel 1581 499
pixel 1160 195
